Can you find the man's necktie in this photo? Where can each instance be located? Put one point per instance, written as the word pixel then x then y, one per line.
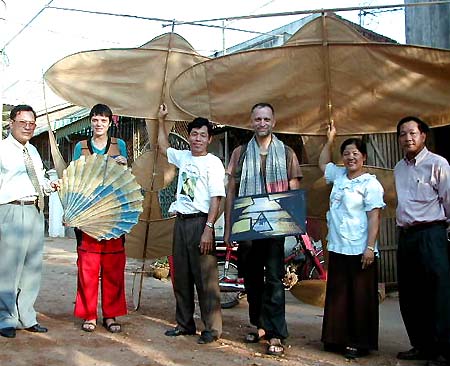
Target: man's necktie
pixel 33 177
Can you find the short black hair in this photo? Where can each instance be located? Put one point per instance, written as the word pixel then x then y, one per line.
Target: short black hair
pixel 199 122
pixel 423 127
pixel 360 145
pixel 263 105
pixel 101 110
pixel 21 108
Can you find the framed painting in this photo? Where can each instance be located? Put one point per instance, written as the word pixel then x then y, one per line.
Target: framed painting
pixel 269 215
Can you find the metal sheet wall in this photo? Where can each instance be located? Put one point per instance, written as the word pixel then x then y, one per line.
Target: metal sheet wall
pixel 383 151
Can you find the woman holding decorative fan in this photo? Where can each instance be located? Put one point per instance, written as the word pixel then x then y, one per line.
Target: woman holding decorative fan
pixel 104 258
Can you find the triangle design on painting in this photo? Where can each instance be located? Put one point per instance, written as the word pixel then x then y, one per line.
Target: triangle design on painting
pixel 262 224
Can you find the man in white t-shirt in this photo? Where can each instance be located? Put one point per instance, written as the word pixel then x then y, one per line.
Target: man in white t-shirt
pixel 199 191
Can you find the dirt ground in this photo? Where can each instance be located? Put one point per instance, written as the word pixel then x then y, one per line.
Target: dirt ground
pixel 142 342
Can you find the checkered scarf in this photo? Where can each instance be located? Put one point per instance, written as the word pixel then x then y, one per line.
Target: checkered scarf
pixel 276 171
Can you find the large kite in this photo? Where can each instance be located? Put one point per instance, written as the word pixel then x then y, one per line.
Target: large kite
pixel 326 71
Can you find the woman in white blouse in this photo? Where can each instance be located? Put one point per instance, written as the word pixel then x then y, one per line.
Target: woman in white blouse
pixel 350 324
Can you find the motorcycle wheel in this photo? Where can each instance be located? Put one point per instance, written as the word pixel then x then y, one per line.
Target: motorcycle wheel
pixel 228 299
pixel 310 272
pixel 231 273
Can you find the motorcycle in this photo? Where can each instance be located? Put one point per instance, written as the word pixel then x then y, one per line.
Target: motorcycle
pixel 304 260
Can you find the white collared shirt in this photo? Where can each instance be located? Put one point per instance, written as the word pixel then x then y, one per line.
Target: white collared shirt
pixel 15 183
pixel 350 200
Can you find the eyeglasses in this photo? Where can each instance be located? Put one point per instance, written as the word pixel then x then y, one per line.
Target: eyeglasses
pixel 22 123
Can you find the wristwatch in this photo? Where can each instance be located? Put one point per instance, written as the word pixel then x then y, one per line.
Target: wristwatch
pixel 210 224
pixel 371 248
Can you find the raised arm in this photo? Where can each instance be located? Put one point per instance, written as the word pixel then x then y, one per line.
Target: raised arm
pixel 325 154
pixel 163 140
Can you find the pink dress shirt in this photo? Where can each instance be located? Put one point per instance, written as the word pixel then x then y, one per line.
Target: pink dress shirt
pixel 423 189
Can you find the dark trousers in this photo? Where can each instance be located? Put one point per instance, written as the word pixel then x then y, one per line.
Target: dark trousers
pixel 261 264
pixel 424 287
pixel 193 268
pixel 351 304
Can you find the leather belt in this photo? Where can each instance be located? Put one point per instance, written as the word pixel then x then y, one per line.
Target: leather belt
pixel 192 215
pixel 22 203
pixel 421 226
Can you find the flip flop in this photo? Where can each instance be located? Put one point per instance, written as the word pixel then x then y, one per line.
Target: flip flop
pixel 88 326
pixel 275 348
pixel 113 327
pixel 253 337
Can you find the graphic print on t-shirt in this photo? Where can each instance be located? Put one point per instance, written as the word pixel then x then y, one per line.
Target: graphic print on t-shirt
pixel 189 180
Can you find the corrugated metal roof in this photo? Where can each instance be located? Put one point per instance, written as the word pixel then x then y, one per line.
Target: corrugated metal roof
pixel 73 127
pixel 66 121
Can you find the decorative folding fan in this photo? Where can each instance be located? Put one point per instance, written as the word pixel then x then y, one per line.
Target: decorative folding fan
pixel 100 197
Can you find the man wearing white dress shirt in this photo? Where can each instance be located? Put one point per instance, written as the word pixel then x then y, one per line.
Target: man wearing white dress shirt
pixel 22 183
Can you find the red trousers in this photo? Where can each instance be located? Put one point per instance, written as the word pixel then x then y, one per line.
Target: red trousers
pixel 105 259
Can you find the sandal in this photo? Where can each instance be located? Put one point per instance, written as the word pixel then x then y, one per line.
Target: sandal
pixel 275 347
pixel 254 337
pixel 112 327
pixel 88 326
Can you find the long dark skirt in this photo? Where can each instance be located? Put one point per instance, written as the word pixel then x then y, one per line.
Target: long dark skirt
pixel 351 304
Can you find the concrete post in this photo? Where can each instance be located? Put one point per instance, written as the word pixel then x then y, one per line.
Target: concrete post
pixel 55 211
